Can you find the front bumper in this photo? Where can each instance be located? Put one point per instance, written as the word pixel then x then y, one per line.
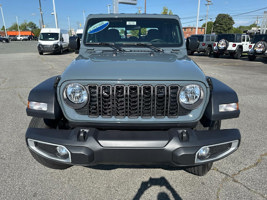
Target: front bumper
pixel 48 48
pixel 90 146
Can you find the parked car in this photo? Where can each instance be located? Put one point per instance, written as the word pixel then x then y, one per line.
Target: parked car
pixel 31 37
pixel 53 40
pixel 13 37
pixel 22 37
pixel 231 44
pixel 259 47
pixel 141 102
pixel 201 43
pixel 4 39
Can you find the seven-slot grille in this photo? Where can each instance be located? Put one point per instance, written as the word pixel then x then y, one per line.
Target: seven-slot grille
pixel 133 101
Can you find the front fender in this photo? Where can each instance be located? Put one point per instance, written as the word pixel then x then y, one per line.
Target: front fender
pixel 220 94
pixel 45 92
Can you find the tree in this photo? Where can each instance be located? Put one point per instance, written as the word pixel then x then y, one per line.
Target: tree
pixel 236 30
pixel 32 26
pixel 209 27
pixel 166 11
pixel 3 28
pixel 24 26
pixel 36 32
pixel 13 27
pixel 223 23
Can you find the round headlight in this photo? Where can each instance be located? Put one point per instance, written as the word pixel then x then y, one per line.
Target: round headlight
pixel 76 93
pixel 191 96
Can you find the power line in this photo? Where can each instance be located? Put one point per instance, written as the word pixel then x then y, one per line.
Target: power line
pixel 249 12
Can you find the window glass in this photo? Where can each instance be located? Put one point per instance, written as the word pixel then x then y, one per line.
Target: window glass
pixel 161 32
pixel 49 36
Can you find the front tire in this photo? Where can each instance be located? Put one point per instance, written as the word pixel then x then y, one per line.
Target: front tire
pixel 200 170
pixel 251 57
pixel 238 53
pixel 39 123
pixel 216 55
pixel 41 53
pixel 208 51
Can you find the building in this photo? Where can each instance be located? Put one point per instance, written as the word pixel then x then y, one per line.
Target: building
pixel 16 33
pixel 190 30
pixel 23 33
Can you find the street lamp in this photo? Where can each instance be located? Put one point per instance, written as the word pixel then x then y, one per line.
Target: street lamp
pixel 3 19
pixel 198 7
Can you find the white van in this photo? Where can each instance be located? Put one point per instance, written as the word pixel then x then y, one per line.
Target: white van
pixel 53 40
pixel 79 33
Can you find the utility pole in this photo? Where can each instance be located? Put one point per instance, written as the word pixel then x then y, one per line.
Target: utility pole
pixel 108 8
pixel 207 4
pixel 198 7
pixel 83 18
pixel 69 24
pixel 18 25
pixel 145 6
pixel 3 19
pixel 55 13
pixel 41 13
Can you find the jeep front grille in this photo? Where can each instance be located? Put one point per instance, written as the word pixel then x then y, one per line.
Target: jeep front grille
pixel 133 101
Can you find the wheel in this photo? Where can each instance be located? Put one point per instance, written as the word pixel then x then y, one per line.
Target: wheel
pixel 251 57
pixel 200 170
pixel 4 41
pixel 214 125
pixel 238 53
pixel 208 51
pixel 190 52
pixel 41 53
pixel 39 123
pixel 216 55
pixel 61 50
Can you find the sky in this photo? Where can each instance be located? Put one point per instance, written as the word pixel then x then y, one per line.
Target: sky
pixel 28 10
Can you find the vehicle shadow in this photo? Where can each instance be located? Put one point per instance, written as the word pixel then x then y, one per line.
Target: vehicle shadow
pixel 162 182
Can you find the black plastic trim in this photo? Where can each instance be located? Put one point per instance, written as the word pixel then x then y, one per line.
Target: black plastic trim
pixel 45 92
pixel 220 94
pixel 174 151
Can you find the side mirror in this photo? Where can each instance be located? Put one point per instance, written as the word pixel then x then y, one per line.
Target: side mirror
pixel 74 43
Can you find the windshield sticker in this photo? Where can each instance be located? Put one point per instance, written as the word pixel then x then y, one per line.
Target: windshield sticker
pixel 133 23
pixel 100 26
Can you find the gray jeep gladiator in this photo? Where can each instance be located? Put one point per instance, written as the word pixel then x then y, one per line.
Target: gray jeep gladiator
pixel 132 97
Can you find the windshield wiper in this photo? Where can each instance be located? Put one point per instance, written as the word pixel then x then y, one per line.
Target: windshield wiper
pixel 108 44
pixel 149 45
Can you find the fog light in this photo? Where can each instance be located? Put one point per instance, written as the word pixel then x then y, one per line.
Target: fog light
pixel 62 151
pixel 203 153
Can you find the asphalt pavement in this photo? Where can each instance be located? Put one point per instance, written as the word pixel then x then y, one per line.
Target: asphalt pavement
pixel 242 175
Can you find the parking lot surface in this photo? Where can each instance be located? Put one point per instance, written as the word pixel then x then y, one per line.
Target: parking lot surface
pixel 242 175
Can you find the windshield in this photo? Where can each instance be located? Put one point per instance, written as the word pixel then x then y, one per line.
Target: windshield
pixel 228 37
pixel 127 31
pixel 258 38
pixel 80 35
pixel 200 38
pixel 49 36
